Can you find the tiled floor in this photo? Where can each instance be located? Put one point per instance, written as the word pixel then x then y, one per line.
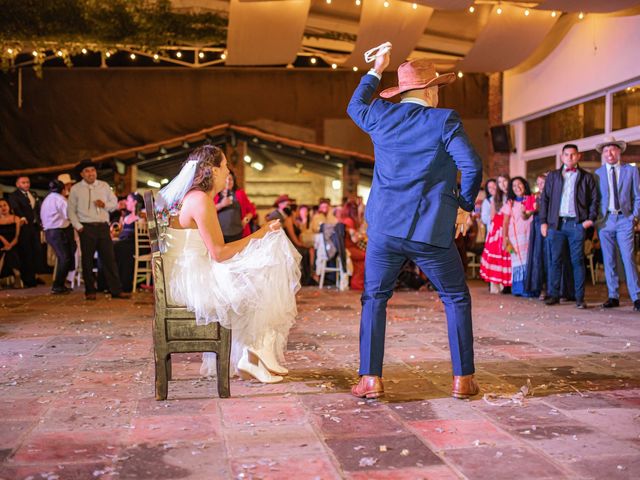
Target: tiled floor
pixel 77 400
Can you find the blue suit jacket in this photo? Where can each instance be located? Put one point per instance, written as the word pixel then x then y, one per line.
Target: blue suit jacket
pixel 418 151
pixel 628 190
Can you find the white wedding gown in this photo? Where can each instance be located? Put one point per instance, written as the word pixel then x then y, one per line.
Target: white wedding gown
pixel 252 293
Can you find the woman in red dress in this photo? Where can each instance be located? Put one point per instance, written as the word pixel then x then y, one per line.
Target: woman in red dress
pixel 353 238
pixel 495 265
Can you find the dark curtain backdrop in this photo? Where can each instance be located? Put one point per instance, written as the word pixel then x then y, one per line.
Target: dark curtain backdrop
pixel 73 113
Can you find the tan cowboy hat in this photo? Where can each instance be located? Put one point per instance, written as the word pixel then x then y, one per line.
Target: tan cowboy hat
pixel 417 74
pixel 66 178
pixel 611 140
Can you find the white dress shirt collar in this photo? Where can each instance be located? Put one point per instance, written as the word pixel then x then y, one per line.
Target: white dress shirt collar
pixel 417 101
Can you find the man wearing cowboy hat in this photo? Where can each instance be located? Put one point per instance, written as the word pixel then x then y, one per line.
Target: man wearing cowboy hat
pixel 619 188
pixel 90 202
pixel 68 182
pixel 412 208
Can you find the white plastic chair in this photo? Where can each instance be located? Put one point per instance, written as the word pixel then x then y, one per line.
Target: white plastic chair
pixel 321 264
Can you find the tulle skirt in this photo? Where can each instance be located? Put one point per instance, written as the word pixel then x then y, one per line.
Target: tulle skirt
pixel 252 293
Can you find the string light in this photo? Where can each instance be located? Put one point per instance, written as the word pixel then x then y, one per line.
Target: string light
pixel 526 12
pixel 258 166
pixel 108 54
pixel 313 60
pixel 581 16
pixel 499 11
pixel 132 56
pixel 358 3
pixel 223 56
pixel 34 53
pixel 334 66
pixel 554 14
pixel 84 51
pixel 328 2
pixel 386 4
pixel 355 69
pixel 201 55
pixel 59 53
pixel 156 56
pixel 472 9
pixel 460 74
pixel 415 6
pixel 179 54
pixel 247 159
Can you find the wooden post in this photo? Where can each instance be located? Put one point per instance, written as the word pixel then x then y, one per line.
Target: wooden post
pixel 350 179
pixel 235 159
pixel 127 182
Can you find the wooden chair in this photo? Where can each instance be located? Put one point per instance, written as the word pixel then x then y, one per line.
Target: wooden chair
pixel 174 327
pixel 142 269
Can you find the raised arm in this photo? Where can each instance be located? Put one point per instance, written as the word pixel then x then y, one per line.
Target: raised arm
pixel 359 108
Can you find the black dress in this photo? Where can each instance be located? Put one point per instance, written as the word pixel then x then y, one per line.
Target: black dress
pixel 125 249
pixel 10 259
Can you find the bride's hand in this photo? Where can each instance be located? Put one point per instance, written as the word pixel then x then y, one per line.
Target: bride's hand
pixel 271 226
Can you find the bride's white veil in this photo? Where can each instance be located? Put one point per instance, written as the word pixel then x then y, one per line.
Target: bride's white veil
pixel 170 197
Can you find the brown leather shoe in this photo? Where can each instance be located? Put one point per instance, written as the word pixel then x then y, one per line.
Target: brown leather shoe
pixel 122 295
pixel 464 386
pixel 369 386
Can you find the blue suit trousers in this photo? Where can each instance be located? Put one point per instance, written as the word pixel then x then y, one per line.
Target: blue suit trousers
pixel 616 238
pixel 443 267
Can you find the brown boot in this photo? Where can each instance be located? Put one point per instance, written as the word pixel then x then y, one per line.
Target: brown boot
pixel 369 386
pixel 464 386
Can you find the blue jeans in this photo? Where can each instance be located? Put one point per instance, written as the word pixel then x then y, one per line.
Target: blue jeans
pixel 443 267
pixel 570 232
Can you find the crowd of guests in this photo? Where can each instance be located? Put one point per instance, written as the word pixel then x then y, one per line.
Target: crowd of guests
pixel 73 217
pixel 535 242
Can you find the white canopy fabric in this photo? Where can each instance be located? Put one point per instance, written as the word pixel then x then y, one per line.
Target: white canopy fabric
pixel 399 23
pixel 265 33
pixel 588 6
pixel 507 39
pixel 444 4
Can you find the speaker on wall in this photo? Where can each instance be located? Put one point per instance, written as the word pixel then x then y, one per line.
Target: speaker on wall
pixel 500 139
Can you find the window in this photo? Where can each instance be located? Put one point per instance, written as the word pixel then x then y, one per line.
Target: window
pixel 538 167
pixel 578 121
pixel 626 108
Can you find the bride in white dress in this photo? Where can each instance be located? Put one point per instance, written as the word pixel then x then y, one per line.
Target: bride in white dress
pixel 248 285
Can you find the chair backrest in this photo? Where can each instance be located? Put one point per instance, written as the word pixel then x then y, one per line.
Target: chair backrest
pixel 152 222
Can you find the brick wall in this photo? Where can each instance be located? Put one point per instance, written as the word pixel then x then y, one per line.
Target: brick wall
pixel 495 163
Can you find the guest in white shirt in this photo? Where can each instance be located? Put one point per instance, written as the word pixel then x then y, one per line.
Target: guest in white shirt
pixel 58 233
pixel 90 202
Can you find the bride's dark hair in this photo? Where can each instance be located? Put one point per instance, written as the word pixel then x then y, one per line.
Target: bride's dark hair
pixel 208 157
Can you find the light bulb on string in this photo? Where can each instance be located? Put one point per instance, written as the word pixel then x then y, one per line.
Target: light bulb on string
pixel 526 12
pixel 84 51
pixel 460 74
pixel 355 69
pixel 499 11
pixel 581 15
pixel 10 51
pixel 358 3
pixel 59 53
pixel 386 4
pixel 156 56
pixel 223 56
pixel 328 2
pixel 414 6
pixel 107 54
pixel 201 54
pixel 313 60
pixel 179 54
pixel 554 14
pixel 34 53
pixel 132 56
pixel 334 66
pixel 472 9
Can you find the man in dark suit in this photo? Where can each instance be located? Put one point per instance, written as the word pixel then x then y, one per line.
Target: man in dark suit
pixel 26 205
pixel 568 206
pixel 412 210
pixel 620 209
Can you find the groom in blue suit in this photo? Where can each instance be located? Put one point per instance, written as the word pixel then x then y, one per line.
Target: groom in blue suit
pixel 619 186
pixel 412 210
